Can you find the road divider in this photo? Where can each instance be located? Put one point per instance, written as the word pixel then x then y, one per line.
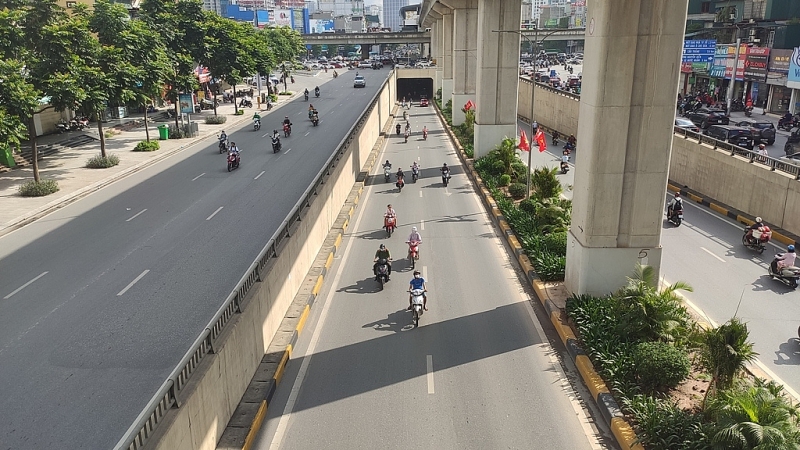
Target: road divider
pixel 553 298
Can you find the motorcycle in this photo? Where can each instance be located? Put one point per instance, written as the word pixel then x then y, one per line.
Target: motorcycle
pixel 748 111
pixel 316 94
pixel 400 184
pixel 406 137
pixel 256 124
pixel 305 94
pixel 555 139
pixel 287 130
pixel 246 103
pixel 757 239
pixel 417 302
pixel 569 146
pixel 233 161
pixel 83 122
pixel 387 173
pixel 62 127
pixel 424 135
pixel 675 216
pixel 223 146
pixel 382 272
pixel 564 168
pixel 315 120
pixel 335 74
pixel 414 174
pixel 413 252
pixel 397 129
pixel 276 145
pixel 787 275
pixel 390 224
pixel 786 124
pixel 445 178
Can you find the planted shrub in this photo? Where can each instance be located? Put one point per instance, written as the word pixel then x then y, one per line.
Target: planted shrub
pixel 660 366
pixel 239 112
pixel 504 180
pixel 273 97
pixel 469 149
pixel 146 146
pixel 662 425
pixel 33 189
pixel 102 162
pixel 216 120
pixel 517 190
pixel 519 170
pixel 550 266
pixel 285 93
pixel 545 184
pixel 529 206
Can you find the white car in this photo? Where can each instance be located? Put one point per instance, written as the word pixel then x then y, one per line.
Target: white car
pixel 364 65
pixel 359 81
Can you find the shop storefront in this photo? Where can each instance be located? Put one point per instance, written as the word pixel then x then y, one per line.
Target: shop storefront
pixel 754 73
pixel 780 96
pixel 793 79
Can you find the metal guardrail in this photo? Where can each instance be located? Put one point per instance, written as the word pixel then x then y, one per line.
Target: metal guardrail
pixel 547 87
pixel 168 395
pixel 774 164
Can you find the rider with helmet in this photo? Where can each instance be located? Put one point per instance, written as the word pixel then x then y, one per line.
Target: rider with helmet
pixel 382 253
pixel 784 259
pixel 676 204
pixel 418 283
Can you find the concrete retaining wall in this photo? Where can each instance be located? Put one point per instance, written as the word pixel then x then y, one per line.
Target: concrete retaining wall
pixel 736 182
pixel 553 109
pixel 217 386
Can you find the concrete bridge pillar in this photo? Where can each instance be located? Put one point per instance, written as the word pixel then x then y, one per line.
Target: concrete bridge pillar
pixel 465 56
pixel 436 53
pixel 498 73
pixel 630 82
pixel 447 56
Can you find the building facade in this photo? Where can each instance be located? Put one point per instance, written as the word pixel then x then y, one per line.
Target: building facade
pixel 391 14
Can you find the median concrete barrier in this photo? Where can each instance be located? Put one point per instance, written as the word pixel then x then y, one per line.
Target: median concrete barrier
pixel 216 386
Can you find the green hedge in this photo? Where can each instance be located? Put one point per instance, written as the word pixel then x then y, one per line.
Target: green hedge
pixel 147 146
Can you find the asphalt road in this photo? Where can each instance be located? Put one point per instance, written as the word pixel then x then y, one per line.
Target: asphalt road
pixel 100 300
pixel 477 373
pixel 729 280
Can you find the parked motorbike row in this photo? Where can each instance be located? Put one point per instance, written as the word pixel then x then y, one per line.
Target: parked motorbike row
pixel 76 124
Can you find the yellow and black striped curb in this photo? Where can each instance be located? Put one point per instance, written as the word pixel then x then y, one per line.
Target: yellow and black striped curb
pixel 608 407
pixel 247 419
pixel 778 234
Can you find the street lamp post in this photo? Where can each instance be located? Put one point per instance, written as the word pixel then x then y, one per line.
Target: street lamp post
pixel 534 45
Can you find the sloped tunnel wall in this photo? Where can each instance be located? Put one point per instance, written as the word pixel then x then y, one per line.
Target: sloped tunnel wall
pixel 414 88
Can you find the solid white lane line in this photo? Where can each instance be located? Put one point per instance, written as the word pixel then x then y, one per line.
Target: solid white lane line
pixel 25 285
pixel 214 213
pixel 280 430
pixel 307 133
pixel 136 215
pixel 259 175
pixel 422 225
pixel 420 193
pixel 287 151
pixel 198 176
pixel 712 254
pixel 135 280
pixel 425 272
pixel 430 373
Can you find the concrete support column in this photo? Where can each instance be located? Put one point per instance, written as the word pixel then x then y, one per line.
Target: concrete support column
pixel 624 141
pixel 447 57
pixel 498 73
pixel 436 53
pixel 465 56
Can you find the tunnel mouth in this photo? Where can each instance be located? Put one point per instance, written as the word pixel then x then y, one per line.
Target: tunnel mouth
pixel 414 88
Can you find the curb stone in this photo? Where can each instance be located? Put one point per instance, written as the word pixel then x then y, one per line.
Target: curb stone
pixel 608 407
pixel 248 418
pixel 68 199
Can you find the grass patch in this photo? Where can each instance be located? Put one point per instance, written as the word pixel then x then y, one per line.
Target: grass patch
pixel 33 189
pixel 102 162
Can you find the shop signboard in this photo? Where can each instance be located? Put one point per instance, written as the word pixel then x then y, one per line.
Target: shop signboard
pixel 720 59
pixel 740 62
pixel 778 66
pixel 320 26
pixel 755 64
pixel 699 50
pixel 794 70
pixel 282 18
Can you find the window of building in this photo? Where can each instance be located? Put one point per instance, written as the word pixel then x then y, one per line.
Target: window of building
pixel 705 7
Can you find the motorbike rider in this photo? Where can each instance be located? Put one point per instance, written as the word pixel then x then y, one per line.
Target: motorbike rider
pixel 316 91
pixel 382 253
pixel 784 260
pixel 223 138
pixel 415 168
pixel 234 150
pixel 287 122
pixel 389 165
pixel 424 131
pixel 315 115
pixel 787 118
pixel 676 204
pixel 397 127
pixel 445 170
pixel 276 140
pixel 390 212
pixel 400 175
pixel 418 283
pixel 565 159
pixel 555 137
pixel 257 117
pixel 414 237
pixel 305 93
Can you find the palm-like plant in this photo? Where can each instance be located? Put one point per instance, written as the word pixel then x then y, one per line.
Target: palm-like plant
pixel 545 183
pixel 724 351
pixel 647 313
pixel 507 153
pixel 755 417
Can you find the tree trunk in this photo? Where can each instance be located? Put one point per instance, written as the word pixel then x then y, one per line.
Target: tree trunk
pixel 34 149
pixel 102 137
pixel 177 114
pixel 146 128
pixel 235 104
pixel 215 104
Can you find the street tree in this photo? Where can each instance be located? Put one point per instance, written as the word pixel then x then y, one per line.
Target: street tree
pixel 45 44
pixel 152 66
pixel 231 47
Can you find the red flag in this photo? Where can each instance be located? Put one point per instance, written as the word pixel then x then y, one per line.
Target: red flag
pixel 524 145
pixel 469 105
pixel 541 141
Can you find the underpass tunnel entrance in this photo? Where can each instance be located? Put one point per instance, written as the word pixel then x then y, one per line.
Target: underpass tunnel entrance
pixel 414 88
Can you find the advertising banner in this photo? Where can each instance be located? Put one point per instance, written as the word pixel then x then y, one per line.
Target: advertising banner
pixel 699 51
pixel 720 60
pixel 778 69
pixel 185 103
pixel 755 64
pixel 794 70
pixel 739 63
pixel 282 17
pixel 320 26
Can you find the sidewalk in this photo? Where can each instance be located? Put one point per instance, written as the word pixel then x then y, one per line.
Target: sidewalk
pixel 75 181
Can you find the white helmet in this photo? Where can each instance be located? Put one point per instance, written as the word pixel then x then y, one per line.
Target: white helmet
pixel 414 229
pixel 758 219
